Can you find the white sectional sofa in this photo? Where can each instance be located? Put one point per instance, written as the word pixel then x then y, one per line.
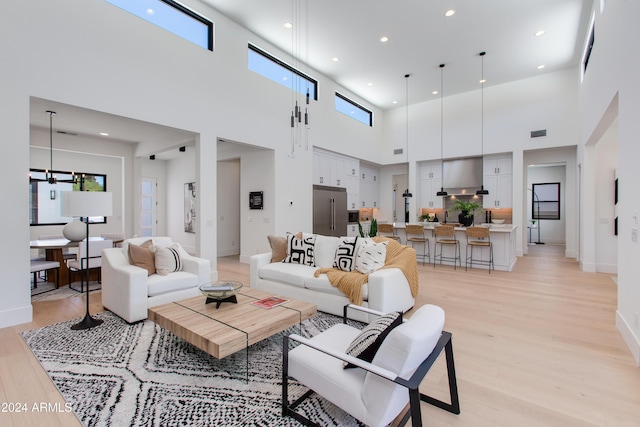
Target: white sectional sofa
pixel 387 289
pixel 128 290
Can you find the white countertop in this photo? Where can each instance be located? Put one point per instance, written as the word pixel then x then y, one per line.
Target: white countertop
pixel 499 228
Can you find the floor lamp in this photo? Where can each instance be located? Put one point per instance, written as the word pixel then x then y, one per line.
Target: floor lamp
pixel 86 204
pixel 537 216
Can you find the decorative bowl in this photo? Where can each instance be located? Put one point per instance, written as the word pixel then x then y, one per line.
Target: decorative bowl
pixel 222 289
pixel 497 221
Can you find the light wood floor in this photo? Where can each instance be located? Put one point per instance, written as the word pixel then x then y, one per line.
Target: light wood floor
pixel 534 347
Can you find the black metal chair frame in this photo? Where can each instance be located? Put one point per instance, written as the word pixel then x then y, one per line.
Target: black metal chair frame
pixel 412 384
pixel 456 253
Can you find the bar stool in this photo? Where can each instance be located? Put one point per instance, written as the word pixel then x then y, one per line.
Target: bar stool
pixel 388 230
pixel 415 235
pixel 478 237
pixel 445 235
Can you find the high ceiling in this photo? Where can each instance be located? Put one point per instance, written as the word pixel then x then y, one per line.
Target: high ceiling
pixel 420 37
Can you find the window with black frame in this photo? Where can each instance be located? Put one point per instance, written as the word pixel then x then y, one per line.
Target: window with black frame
pixel 44 194
pixel 545 201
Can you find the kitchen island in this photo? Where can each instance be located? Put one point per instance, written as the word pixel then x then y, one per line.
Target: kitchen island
pixel 503 239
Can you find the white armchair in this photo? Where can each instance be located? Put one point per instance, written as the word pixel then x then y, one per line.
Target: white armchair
pixel 374 393
pixel 128 290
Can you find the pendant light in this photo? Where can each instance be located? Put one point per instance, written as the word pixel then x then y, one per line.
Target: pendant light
pixel 482 191
pixel 299 126
pixel 49 176
pixel 441 193
pixel 407 194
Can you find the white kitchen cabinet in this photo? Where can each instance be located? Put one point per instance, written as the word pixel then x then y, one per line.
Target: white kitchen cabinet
pixel 430 184
pixel 498 180
pixel 352 230
pixel 369 187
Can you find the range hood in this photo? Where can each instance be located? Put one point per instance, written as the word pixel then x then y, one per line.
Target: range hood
pixel 462 176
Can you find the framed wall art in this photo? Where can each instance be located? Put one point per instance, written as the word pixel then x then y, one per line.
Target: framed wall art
pixel 190 207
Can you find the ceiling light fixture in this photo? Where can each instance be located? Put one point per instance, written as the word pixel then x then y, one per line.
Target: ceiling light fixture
pixel 540 67
pixel 297 39
pixel 449 12
pixel 441 193
pixel 49 175
pixel 335 59
pixel 384 39
pixel 482 191
pixel 407 194
pixel 538 33
pixel 104 134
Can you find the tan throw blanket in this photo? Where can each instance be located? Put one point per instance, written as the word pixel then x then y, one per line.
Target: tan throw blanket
pixel 398 256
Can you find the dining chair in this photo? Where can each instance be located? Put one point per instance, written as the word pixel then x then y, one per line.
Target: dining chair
pixel 46 266
pixel 88 261
pixel 478 237
pixel 445 235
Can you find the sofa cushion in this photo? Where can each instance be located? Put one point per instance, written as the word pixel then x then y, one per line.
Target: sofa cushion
pixel 278 248
pixel 322 284
pixel 325 250
pixel 367 343
pixel 158 285
pixel 291 274
pixel 345 255
pixel 142 256
pixel 370 258
pixel 168 259
pixel 301 251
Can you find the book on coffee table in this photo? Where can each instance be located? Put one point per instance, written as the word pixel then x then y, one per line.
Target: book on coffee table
pixel 269 302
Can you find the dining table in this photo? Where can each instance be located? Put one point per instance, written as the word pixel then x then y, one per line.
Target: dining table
pixel 54 252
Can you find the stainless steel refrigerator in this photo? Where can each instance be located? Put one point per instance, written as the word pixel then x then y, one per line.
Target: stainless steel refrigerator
pixel 330 211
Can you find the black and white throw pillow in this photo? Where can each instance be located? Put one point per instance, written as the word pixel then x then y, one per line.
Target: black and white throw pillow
pixel 371 257
pixel 366 344
pixel 345 258
pixel 301 251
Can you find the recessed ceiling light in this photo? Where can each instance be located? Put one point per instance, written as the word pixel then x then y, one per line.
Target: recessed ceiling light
pixel 435 92
pixel 335 59
pixel 482 81
pixel 450 12
pixel 150 11
pixel 288 25
pixel 369 84
pixel 538 33
pixel 540 67
pixel 394 102
pixel 384 39
pixel 104 134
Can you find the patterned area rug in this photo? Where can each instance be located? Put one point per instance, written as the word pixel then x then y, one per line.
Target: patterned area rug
pixel 118 374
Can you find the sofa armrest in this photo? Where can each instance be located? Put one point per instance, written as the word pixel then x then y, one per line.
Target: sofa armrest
pixel 124 286
pixel 201 267
pixel 255 263
pixel 389 291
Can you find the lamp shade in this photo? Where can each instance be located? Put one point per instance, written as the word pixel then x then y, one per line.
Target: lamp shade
pixel 86 203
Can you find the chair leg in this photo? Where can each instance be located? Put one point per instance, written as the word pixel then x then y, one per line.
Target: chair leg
pixel 414 408
pixel 454 406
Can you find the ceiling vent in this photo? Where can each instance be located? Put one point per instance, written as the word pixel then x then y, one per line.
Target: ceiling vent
pixel 398 151
pixel 538 133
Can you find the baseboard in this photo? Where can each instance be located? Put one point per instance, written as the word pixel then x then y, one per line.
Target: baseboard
pixel 607 268
pixel 629 337
pixel 570 254
pixel 587 267
pixel 16 316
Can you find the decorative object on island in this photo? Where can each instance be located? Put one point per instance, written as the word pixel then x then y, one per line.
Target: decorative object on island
pixel 441 193
pixel 482 191
pixel 428 217
pixel 86 204
pixel 406 196
pixel 466 209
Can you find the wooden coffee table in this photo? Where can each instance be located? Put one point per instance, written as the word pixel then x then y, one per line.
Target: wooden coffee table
pixel 232 327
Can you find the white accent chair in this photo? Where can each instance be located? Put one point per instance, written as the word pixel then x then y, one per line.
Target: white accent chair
pixel 128 290
pixel 375 393
pixel 87 261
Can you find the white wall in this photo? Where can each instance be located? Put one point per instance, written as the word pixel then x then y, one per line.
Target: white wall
pixel 611 86
pixel 228 208
pixel 180 171
pixel 606 242
pixel 551 231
